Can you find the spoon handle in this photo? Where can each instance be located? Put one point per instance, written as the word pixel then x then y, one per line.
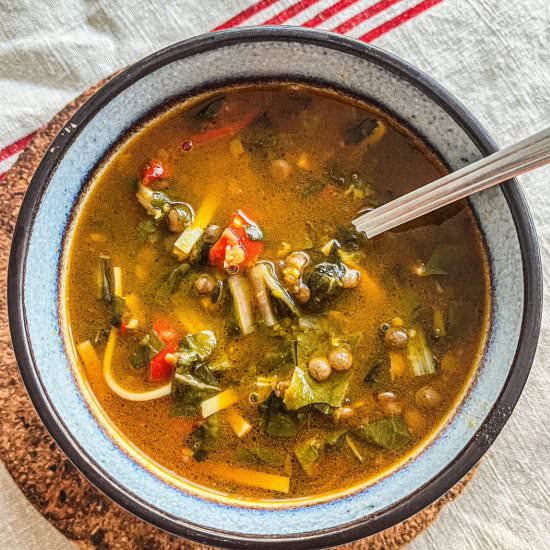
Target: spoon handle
pixel 524 156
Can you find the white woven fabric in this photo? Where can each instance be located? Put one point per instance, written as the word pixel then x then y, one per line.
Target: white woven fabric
pixel 493 54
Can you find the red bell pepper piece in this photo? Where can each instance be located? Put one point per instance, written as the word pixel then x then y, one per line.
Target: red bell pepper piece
pixel 164 330
pixel 235 235
pixel 228 130
pixel 159 368
pixel 155 170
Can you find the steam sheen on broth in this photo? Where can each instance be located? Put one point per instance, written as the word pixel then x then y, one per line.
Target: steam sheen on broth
pixel 233 325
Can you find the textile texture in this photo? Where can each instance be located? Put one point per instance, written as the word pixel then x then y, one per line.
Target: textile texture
pixel 493 54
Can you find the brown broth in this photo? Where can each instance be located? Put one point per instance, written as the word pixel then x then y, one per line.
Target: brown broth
pixel 309 125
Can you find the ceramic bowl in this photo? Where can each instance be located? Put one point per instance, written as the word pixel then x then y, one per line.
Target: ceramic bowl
pixel 36 314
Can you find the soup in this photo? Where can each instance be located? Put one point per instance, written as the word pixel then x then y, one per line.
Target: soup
pixel 233 325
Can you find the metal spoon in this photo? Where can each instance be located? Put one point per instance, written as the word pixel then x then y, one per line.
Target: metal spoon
pixel 514 160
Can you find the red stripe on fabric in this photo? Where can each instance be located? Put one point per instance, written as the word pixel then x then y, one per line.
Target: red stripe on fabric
pixel 245 14
pixel 327 13
pixel 2 175
pixel 371 11
pixel 399 20
pixel 15 147
pixel 291 11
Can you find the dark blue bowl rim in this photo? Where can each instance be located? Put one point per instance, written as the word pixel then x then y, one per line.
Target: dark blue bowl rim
pixel 345 533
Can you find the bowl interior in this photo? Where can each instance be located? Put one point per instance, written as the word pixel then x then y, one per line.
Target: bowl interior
pixel 180 72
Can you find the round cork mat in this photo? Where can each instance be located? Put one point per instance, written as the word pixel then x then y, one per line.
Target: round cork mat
pixel 41 470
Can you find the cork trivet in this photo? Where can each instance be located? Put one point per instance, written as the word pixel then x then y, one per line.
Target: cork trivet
pixel 41 470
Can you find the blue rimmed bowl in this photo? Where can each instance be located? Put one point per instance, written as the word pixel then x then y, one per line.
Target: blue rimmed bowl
pixel 37 317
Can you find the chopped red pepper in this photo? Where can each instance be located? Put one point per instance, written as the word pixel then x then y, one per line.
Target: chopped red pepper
pixel 159 368
pixel 228 130
pixel 236 242
pixel 164 330
pixel 155 170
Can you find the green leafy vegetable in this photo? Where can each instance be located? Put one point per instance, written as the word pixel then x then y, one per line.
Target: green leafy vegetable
pixel 118 310
pixel 186 400
pixel 211 110
pixel 206 438
pixel 356 134
pixel 277 289
pixel 277 421
pixel 390 433
pixel 195 348
pixel 444 260
pixel 325 284
pixel 106 268
pixel 419 353
pixel 149 346
pixel 308 451
pixel 172 282
pixel 256 455
pixel 194 382
pixel 304 390
pixel 146 228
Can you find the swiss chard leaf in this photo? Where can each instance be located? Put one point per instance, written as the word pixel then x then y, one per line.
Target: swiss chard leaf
pixel 211 110
pixel 308 451
pixel 444 260
pixel 172 282
pixel 277 421
pixel 264 455
pixel 304 390
pixel 195 348
pixel 206 438
pixel 118 310
pixel 149 346
pixel 185 400
pixel 390 433
pixel 356 134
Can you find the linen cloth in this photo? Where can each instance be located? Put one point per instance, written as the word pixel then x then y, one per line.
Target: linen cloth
pixel 493 54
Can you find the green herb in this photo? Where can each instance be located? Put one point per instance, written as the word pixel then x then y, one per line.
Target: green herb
pixel 256 455
pixel 277 421
pixel 350 239
pixel 444 260
pixel 304 390
pixel 146 228
pixel 211 110
pixel 307 452
pixel 118 305
pixel 419 353
pixel 106 278
pixel 390 433
pixel 205 439
pixel 313 185
pixel 172 282
pixel 325 284
pixel 195 348
pixel 149 346
pixel 356 134
pixel 186 400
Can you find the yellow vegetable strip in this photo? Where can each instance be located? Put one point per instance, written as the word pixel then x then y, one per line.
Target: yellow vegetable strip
pixel 161 391
pixel 353 447
pixel 89 356
pixel 370 287
pixel 398 366
pixel 250 478
pixel 188 239
pixel 238 424
pixel 135 306
pixel 221 401
pixel 117 281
